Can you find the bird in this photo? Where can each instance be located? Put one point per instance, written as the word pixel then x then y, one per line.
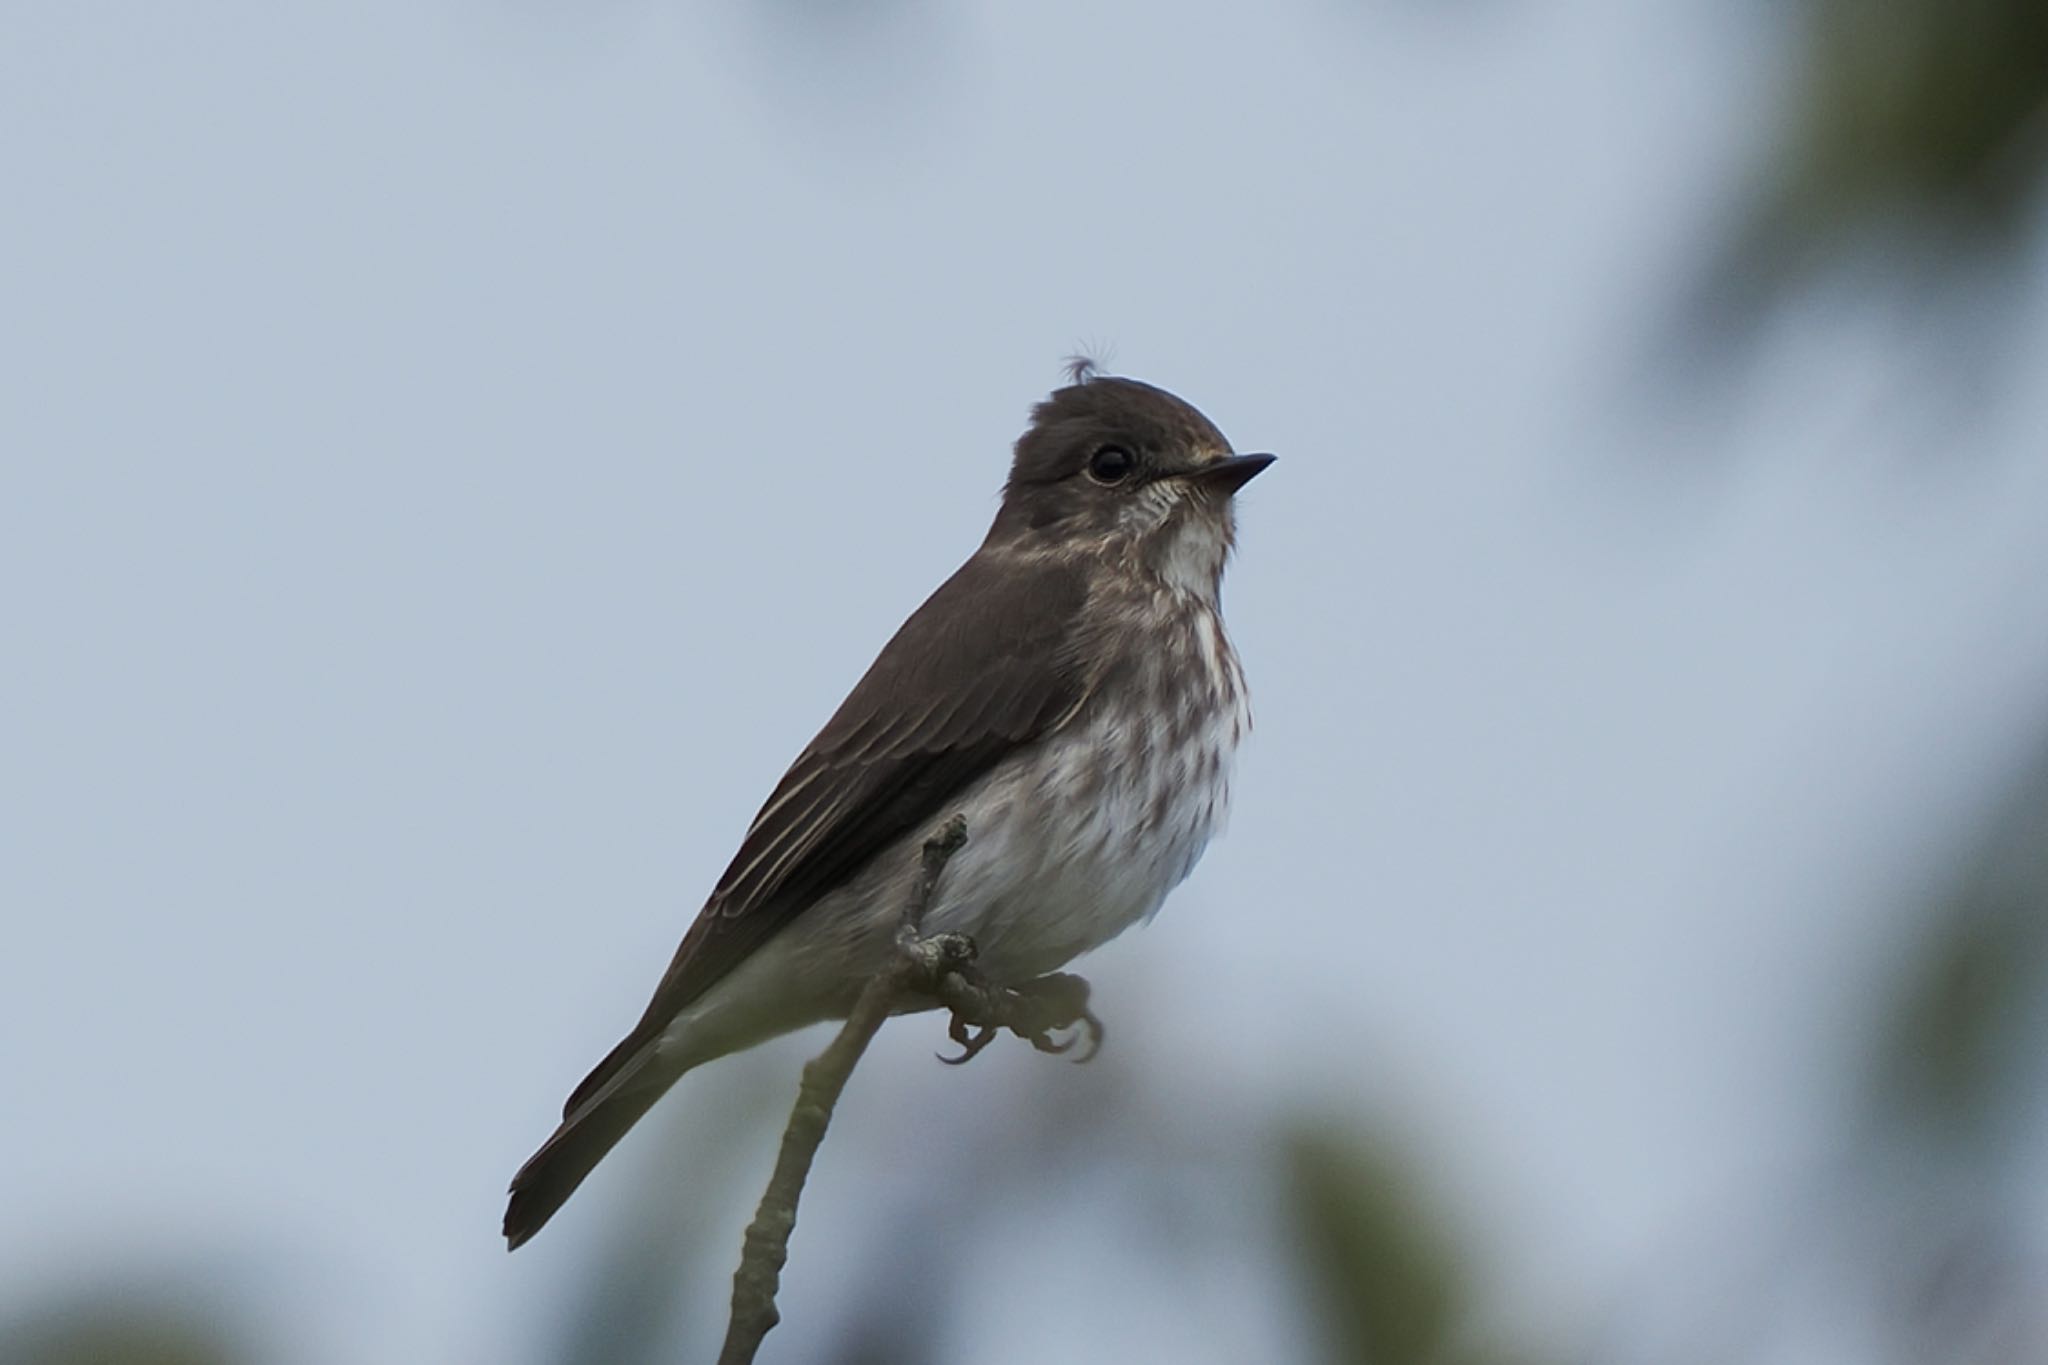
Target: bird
pixel 1070 691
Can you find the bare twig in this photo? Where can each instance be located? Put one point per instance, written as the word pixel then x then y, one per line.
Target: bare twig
pixel 765 1249
pixel 926 968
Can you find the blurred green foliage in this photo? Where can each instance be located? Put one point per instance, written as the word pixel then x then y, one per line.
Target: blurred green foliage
pixel 1384 1278
pixel 120 1325
pixel 1918 128
pixel 1953 1044
pixel 1953 1114
pixel 1934 106
pixel 1962 1041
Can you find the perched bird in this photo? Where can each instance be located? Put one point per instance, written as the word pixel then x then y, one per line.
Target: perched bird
pixel 1069 691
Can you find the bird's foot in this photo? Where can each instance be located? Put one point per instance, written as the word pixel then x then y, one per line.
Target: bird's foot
pixel 932 956
pixel 1037 1011
pixel 943 966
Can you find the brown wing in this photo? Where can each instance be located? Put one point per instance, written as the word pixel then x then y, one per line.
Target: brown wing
pixel 987 664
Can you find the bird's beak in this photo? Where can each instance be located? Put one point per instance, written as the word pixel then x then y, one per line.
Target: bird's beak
pixel 1232 473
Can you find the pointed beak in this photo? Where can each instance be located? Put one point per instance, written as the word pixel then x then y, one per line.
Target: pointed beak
pixel 1229 475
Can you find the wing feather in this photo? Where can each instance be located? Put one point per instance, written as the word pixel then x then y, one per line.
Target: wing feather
pixel 991 662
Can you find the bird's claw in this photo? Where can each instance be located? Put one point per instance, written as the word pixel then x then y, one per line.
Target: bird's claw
pixel 1087 1027
pixel 1037 1011
pixel 1054 1004
pixel 971 1040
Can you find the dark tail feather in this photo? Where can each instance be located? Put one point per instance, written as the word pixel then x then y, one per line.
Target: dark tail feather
pixel 552 1174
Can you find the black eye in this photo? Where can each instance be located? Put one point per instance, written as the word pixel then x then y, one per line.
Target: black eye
pixel 1111 464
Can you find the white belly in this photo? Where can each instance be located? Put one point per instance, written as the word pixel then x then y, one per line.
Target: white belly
pixel 1070 846
pixel 1069 843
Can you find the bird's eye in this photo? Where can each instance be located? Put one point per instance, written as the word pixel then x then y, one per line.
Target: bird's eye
pixel 1111 464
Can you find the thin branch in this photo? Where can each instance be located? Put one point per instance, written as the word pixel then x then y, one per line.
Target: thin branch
pixel 926 969
pixel 765 1249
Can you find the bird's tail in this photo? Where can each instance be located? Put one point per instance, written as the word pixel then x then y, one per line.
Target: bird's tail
pixel 587 1132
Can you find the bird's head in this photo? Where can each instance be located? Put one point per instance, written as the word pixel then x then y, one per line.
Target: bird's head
pixel 1117 468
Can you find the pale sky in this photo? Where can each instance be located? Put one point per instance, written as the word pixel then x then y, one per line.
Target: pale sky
pixel 457 453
